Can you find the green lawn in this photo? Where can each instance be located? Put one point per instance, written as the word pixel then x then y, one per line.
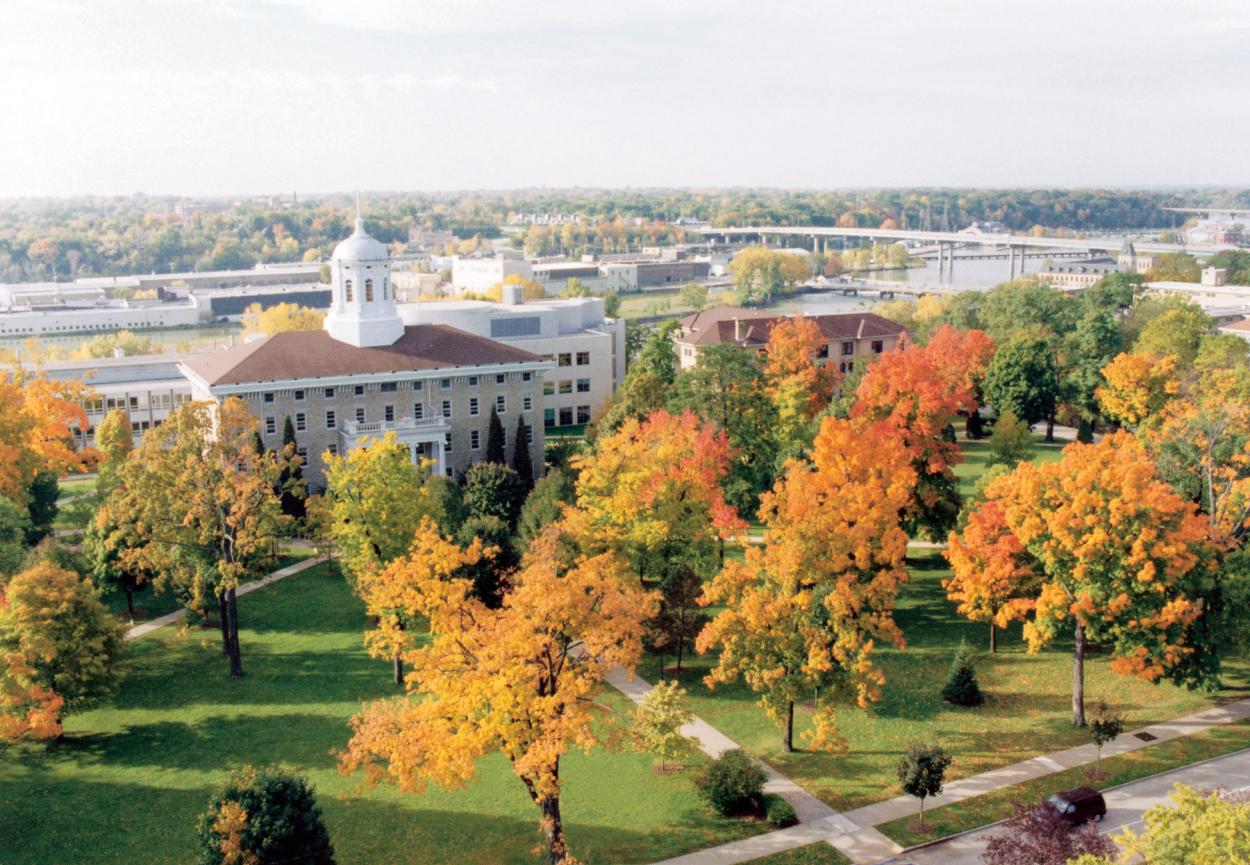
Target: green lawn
pixel 1027 710
pixel 992 807
pixel 648 304
pixel 819 853
pixel 130 777
pixel 976 461
pixel 73 486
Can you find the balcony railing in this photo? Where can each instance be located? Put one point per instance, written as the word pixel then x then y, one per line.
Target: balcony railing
pixel 382 427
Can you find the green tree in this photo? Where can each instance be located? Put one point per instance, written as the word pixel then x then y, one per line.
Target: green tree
pixel 263 817
pixel 292 490
pixel 494 440
pixel 1011 442
pixel 612 303
pixel 961 686
pixel 14 524
pixel 114 439
pixel 543 505
pixel 41 503
pixel 1175 267
pixel 680 617
pixel 1022 379
pixel 490 574
pixel 522 464
pixel 493 490
pixel 760 273
pixel 658 720
pixel 922 772
pixel 1104 726
pixel 1177 330
pixel 1023 305
pixel 694 296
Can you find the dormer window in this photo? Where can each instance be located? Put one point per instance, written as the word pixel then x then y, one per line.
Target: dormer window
pixel 348 285
pixel 368 291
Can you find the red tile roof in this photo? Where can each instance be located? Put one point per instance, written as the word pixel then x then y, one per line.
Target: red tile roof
pixel 315 354
pixel 719 325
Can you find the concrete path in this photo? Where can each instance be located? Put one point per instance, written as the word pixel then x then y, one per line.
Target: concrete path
pixel 1125 805
pixel 169 618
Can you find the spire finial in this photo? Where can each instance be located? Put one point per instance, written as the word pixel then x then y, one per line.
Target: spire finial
pixel 360 220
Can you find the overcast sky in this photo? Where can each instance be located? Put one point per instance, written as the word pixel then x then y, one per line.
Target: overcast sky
pixel 250 96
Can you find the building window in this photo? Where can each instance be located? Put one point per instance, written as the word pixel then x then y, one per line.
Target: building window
pixel 359 390
pixel 823 351
pixel 301 423
pixel 333 449
pixel 368 291
pixel 583 358
pixel 328 393
pixel 271 426
pixel 388 413
pixel 472 406
pixel 447 408
pixel 549 417
pixel 501 403
pixel 529 434
pixel 566 386
pixel 348 285
pixel 299 396
pixel 445 384
pixel 877 346
pixel 527 401
pixel 565 359
pixel 447 442
pixel 302 453
pixel 566 416
pixel 360 415
pixel 388 386
pixel 331 420
pixel 549 388
pixel 418 410
pixel 418 385
pixel 499 378
pixel 472 381
pixel 583 414
pixel 269 397
pixel 526 376
pixel 583 385
pixel 848 348
pixel 475 440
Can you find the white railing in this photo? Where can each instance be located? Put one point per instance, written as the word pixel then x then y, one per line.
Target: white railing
pixel 382 427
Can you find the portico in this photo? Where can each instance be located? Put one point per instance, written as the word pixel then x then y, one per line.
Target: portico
pixel 423 437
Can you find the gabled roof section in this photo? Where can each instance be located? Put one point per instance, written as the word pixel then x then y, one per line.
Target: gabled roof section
pixel 749 327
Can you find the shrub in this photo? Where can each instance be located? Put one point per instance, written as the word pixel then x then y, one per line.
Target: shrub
pixel 961 686
pixel 264 817
pixel 779 812
pixel 732 783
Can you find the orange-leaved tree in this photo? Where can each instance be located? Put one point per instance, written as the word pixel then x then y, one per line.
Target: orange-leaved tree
pixel 919 390
pixel 992 578
pixel 1138 386
pixel 800 386
pixel 37 420
pixel 804 610
pixel 520 680
pixel 1113 546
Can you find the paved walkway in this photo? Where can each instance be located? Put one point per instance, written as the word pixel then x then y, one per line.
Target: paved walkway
pixel 169 618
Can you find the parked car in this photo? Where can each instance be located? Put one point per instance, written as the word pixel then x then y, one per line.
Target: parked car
pixel 1079 806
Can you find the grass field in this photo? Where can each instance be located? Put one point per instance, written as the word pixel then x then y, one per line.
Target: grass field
pixel 648 304
pixel 128 780
pixel 811 854
pixel 992 807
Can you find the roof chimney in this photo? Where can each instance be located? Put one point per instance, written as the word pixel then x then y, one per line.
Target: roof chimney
pixel 737 329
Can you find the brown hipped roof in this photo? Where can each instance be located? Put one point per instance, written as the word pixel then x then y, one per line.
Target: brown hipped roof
pixel 718 325
pixel 315 354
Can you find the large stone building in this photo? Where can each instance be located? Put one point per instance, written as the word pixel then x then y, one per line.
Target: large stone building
pixel 368 373
pixel 1080 274
pixel 849 337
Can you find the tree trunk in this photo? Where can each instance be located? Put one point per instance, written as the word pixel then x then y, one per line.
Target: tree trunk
pixel 399 669
pixel 681 644
pixel 993 638
pixel 1050 428
pixel 553 828
pixel 236 659
pixel 1078 679
pixel 130 602
pixel 224 617
pixel 790 727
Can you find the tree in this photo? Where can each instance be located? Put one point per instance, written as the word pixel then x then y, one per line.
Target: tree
pixel 14 525
pixel 1176 332
pixel 59 647
pixel 732 783
pixel 1174 267
pixel 1137 387
pixel 109 541
pixel 494 440
pixel 803 611
pixel 281 318
pixel 491 573
pixel 658 720
pixel 263 817
pixel 799 387
pixel 203 507
pixel 493 490
pixel 37 420
pixel 961 686
pixel 694 296
pixel 1011 441
pixel 1024 305
pixel 1104 726
pixel 680 618
pixel 992 579
pixel 760 273
pixel 921 772
pixel 611 303
pixel 520 680
pixel 1038 835
pixel 543 505
pixel 114 439
pixel 42 506
pixel 291 488
pixel 522 464
pixel 1022 378
pixel 1121 582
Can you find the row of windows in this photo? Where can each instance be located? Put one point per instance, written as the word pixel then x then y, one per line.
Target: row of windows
pixel 368 290
pixel 566 386
pixel 134 403
pixel 566 416
pixel 848 348
pixel 388 413
pixel 566 358
pixel 393 387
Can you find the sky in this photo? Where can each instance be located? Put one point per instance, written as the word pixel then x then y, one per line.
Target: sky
pixel 228 97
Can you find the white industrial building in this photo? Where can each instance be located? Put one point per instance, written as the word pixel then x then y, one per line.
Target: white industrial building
pixel 479 275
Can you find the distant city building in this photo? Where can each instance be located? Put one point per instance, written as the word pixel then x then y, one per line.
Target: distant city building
pixel 369 373
pixel 1075 275
pixel 991 227
pixel 849 336
pixel 479 274
pixel 430 239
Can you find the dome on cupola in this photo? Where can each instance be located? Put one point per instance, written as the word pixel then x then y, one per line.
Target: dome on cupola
pixel 360 246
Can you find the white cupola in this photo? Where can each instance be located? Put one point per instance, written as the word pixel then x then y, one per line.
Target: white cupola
pixel 362 305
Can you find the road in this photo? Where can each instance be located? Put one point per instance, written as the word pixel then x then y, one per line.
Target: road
pixel 1125 806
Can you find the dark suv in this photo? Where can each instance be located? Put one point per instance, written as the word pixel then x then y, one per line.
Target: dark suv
pixel 1079 806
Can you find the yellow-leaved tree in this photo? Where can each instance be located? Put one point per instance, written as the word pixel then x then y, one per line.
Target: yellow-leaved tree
pixel 804 610
pixel 281 318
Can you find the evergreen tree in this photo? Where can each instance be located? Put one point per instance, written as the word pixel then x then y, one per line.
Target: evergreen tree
pixel 42 506
pixel 494 440
pixel 292 478
pixel 961 685
pixel 521 462
pixel 265 817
